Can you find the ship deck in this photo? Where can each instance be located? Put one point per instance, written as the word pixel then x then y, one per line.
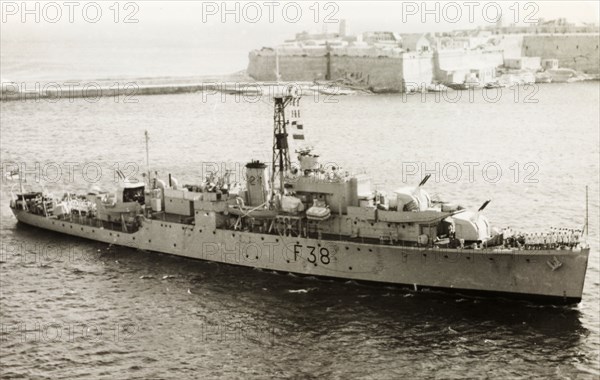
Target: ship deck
pixel 188 221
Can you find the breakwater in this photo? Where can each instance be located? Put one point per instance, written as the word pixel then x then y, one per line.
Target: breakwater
pixel 127 91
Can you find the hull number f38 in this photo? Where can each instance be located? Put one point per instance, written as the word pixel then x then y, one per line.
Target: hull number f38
pixel 313 255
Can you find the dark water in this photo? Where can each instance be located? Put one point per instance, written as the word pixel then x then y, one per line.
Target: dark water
pixel 119 317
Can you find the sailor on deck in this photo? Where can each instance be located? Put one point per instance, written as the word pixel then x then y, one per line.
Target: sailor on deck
pixel 576 237
pixel 544 240
pixel 571 238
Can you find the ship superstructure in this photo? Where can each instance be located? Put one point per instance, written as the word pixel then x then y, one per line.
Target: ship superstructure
pixel 305 219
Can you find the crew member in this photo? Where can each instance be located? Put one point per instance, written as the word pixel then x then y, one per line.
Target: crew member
pixel 576 237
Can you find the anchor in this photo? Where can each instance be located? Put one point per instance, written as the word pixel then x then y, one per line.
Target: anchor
pixel 554 264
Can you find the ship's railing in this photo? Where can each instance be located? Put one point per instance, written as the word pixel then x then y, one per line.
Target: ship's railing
pixel 428 248
pixel 86 220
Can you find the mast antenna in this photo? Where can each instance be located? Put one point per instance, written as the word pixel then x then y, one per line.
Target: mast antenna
pixel 281 154
pixel 587 226
pixel 21 188
pixel 147 155
pixel 281 164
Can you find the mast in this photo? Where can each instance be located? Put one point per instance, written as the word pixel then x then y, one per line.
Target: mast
pixel 587 226
pixel 281 163
pixel 21 189
pixel 147 156
pixel 281 154
pixel 20 182
pixel 277 74
pixel 328 57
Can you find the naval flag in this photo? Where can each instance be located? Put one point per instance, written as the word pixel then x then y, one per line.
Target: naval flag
pixel 297 127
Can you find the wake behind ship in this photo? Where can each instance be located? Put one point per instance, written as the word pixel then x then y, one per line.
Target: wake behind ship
pixel 301 218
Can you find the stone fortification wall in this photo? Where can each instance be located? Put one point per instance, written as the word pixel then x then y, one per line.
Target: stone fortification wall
pixel 291 67
pixel 381 71
pixel 574 51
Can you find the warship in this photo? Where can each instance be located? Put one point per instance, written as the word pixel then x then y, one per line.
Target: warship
pixel 297 217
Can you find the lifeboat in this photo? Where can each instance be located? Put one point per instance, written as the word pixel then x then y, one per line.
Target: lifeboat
pixel 318 211
pixel 291 204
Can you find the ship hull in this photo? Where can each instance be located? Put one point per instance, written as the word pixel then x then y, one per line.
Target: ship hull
pixel 550 276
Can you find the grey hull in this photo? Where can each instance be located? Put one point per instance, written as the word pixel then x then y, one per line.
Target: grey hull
pixel 555 276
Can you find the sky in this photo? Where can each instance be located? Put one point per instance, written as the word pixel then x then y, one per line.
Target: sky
pixel 215 37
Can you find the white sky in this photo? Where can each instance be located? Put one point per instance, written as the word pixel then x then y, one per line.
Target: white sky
pixel 178 26
pixel 159 18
